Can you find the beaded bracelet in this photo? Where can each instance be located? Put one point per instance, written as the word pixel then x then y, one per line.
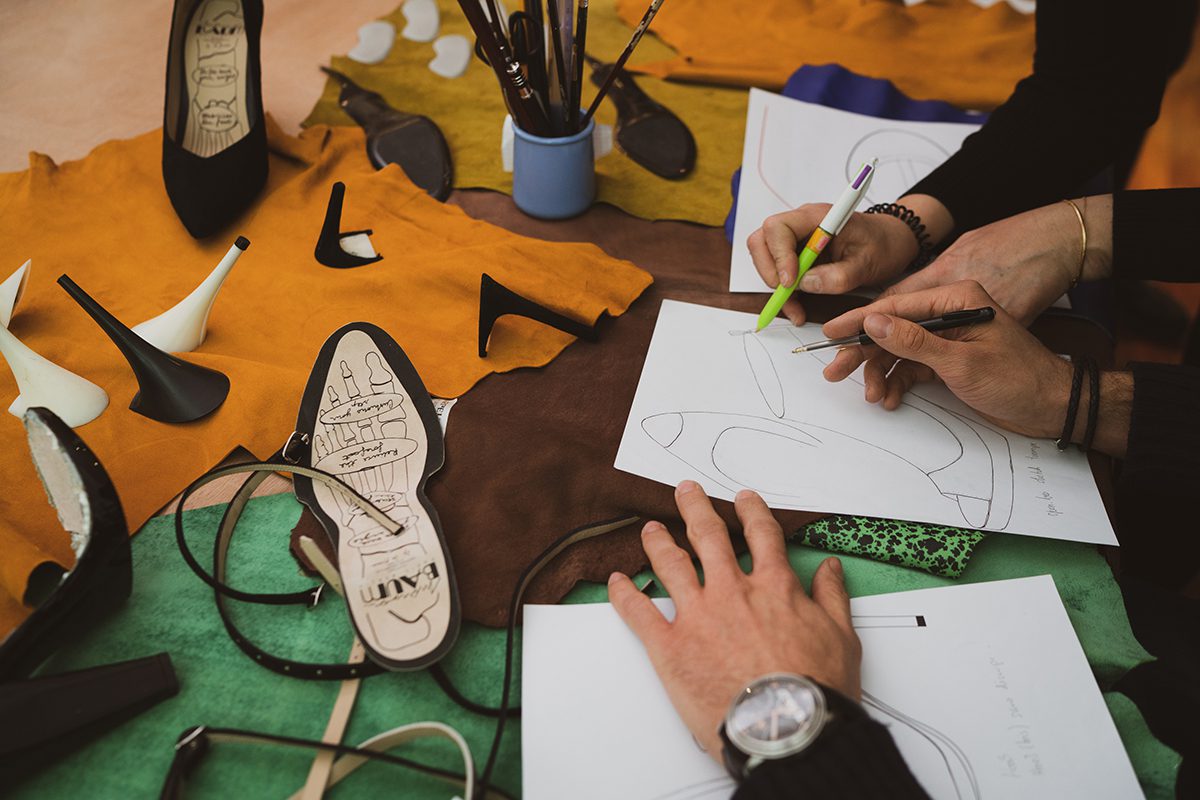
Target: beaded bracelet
pixel 906 215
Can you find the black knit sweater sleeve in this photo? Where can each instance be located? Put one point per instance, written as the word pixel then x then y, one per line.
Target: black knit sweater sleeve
pixel 857 760
pixel 1099 72
pixel 1156 491
pixel 1154 235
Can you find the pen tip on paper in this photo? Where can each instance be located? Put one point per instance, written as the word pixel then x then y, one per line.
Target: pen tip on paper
pixel 801 349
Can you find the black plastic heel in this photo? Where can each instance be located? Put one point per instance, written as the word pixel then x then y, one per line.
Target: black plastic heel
pixel 496 300
pixel 169 388
pixel 329 245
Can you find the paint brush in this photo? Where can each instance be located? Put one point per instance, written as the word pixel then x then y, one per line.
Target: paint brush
pixel 578 52
pixel 521 100
pixel 559 66
pixel 633 42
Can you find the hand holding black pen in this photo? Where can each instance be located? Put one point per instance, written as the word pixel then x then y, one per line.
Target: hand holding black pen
pixel 999 369
pixel 952 319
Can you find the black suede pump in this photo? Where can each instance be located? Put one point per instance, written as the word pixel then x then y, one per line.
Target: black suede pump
pixel 214 133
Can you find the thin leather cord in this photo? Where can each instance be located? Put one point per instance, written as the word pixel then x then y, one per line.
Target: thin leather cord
pixel 194 742
pixel 443 680
pixel 527 575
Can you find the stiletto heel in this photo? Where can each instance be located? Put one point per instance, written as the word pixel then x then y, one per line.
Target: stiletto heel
pixel 496 300
pixel 330 249
pixel 214 133
pixel 169 388
pixel 181 328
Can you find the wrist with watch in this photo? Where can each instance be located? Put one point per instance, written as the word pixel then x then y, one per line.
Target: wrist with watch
pixel 779 716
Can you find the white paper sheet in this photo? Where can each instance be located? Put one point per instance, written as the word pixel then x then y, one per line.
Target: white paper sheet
pixel 797 153
pixel 734 410
pixel 990 698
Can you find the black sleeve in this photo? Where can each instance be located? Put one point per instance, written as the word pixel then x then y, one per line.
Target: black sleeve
pixel 857 760
pixel 1099 72
pixel 1156 491
pixel 1154 235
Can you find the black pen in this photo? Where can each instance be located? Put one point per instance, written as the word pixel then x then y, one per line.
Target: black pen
pixel 955 319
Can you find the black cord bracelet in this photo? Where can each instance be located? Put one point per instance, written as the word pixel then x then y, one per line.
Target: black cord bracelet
pixel 1072 405
pixel 906 215
pixel 1093 404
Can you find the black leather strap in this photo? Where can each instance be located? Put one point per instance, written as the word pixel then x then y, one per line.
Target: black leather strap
pixel 259 470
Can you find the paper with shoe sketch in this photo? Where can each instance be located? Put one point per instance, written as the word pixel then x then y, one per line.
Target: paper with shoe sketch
pixel 797 153
pixel 735 410
pixel 984 688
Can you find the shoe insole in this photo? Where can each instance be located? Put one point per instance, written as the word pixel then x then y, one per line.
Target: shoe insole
pixel 370 434
pixel 215 56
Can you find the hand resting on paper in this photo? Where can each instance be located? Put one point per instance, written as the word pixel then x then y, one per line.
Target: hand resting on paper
pixel 736 626
pixel 1027 261
pixel 998 369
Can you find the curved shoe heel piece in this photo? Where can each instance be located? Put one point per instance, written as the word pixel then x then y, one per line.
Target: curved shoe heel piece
pixel 169 388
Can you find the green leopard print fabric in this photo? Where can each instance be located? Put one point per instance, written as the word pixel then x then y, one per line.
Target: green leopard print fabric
pixel 937 549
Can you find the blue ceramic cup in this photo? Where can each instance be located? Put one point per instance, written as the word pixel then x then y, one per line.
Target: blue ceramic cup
pixel 554 178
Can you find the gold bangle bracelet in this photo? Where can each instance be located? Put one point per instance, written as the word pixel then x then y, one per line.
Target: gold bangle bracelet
pixel 1082 244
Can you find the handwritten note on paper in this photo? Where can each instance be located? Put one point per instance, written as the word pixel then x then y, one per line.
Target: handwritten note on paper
pixel 733 409
pixel 991 697
pixel 797 153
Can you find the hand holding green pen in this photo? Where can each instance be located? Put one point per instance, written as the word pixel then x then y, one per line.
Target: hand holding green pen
pixel 830 226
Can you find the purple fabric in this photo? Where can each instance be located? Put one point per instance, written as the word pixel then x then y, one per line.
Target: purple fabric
pixel 837 87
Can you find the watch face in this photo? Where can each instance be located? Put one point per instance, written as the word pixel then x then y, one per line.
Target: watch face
pixel 776 715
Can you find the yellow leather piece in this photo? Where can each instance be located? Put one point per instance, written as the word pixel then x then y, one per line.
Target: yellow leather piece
pixel 105 220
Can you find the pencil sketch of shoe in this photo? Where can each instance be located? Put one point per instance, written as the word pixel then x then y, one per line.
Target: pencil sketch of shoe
pixel 960 781
pixel 373 426
pixel 968 461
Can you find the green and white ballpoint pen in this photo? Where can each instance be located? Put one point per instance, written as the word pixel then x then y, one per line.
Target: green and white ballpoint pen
pixel 831 226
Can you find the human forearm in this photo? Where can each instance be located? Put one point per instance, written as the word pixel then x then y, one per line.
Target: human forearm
pixel 1112 417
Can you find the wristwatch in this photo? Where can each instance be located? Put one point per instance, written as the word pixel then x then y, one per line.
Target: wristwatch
pixel 775 716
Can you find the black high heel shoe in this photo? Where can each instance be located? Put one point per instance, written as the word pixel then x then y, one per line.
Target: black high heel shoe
pixel 67 603
pixel 214 134
pixel 49 716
